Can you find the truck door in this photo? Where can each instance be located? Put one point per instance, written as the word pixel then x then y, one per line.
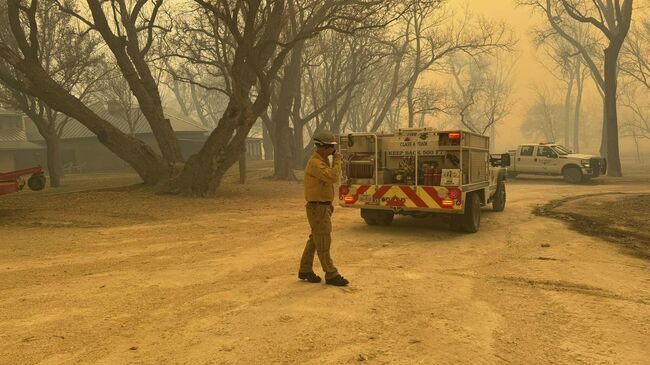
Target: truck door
pixel 547 159
pixel 525 162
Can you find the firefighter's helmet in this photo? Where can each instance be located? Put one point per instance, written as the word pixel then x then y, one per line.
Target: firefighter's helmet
pixel 324 138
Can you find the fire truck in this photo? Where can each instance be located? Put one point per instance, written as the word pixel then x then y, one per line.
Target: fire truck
pixel 420 173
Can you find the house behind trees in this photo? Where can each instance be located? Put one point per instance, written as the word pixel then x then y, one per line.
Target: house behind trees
pixel 22 146
pixel 16 150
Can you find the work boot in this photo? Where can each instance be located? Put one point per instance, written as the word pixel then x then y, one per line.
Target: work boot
pixel 338 280
pixel 309 276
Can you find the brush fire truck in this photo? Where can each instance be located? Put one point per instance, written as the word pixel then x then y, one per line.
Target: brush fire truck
pixel 420 173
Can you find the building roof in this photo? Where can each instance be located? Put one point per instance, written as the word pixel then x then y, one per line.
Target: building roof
pixel 9 112
pixel 12 135
pixel 20 145
pixel 29 138
pixel 74 129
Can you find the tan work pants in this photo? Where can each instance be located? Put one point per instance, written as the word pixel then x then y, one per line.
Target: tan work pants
pixel 320 240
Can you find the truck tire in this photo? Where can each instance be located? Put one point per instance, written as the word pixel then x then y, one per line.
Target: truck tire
pixel 36 182
pixel 368 217
pixel 377 217
pixel 370 221
pixel 385 218
pixel 470 220
pixel 499 198
pixel 572 175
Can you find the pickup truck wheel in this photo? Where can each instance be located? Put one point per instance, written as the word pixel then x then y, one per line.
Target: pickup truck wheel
pixel 499 199
pixel 572 175
pixel 471 218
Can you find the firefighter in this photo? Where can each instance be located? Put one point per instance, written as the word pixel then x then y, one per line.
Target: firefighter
pixel 320 178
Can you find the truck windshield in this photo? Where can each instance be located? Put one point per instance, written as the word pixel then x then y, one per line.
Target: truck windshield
pixel 561 150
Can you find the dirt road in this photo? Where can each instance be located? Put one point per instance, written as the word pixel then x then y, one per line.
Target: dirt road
pixel 124 277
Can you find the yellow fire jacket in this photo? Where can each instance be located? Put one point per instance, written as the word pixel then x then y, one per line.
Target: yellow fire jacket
pixel 320 178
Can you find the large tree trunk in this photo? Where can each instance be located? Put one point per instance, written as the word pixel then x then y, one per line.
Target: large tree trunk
pixel 613 158
pixel 577 111
pixel 267 143
pixel 203 173
pixel 47 128
pixel 284 160
pixel 493 137
pixel 411 105
pixel 298 146
pixel 54 163
pixel 603 138
pixel 567 112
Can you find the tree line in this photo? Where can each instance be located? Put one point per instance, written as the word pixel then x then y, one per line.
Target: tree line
pixel 285 67
pixel 602 43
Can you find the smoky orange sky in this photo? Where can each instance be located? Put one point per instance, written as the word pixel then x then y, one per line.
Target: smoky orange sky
pixel 528 72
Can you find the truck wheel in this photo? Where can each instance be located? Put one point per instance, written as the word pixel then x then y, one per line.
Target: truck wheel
pixel 370 222
pixel 572 175
pixel 377 217
pixel 384 218
pixel 471 218
pixel 368 217
pixel 36 182
pixel 499 199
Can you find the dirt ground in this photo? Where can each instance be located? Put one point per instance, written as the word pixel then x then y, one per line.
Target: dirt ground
pixel 121 276
pixel 617 217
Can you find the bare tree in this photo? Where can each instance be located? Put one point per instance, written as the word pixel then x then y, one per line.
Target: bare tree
pixel 544 118
pixel 635 66
pixel 635 62
pixel 130 29
pixel 428 33
pixel 189 88
pixel 35 80
pixel 634 98
pixel 334 55
pixel 66 56
pixel 612 19
pixel 480 91
pixel 565 63
pixel 120 101
pixel 332 71
pixel 257 41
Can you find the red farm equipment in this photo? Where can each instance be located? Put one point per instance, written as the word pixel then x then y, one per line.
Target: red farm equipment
pixel 12 182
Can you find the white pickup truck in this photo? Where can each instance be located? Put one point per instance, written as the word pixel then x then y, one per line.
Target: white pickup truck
pixel 555 160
